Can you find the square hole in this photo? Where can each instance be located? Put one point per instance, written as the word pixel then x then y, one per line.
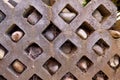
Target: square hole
pixel 101 13
pixel 49 2
pixel 2 78
pixel 85 30
pixel 85 2
pixel 17 67
pixel 3 52
pixel 114 62
pixel 52 65
pixel 68 14
pixel 35 77
pixel 68 48
pixel 15 33
pixel 100 76
pixel 69 76
pixel 84 64
pixel 51 32
pixel 34 50
pixel 32 15
pixel 2 16
pixel 100 47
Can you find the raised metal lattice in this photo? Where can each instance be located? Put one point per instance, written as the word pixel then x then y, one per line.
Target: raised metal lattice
pixel 58 40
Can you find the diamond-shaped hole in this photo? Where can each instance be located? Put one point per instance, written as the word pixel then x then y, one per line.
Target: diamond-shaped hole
pixel 69 76
pixel 84 64
pixel 85 30
pixel 2 16
pixel 101 14
pixel 32 15
pixel 34 50
pixel 12 3
pixel 52 65
pixel 15 33
pixel 68 48
pixel 2 78
pixel 35 77
pixel 100 76
pixel 100 47
pixel 49 2
pixel 68 14
pixel 51 32
pixel 17 67
pixel 85 2
pixel 3 52
pixel 114 62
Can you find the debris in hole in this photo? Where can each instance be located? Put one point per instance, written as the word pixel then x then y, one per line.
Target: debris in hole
pixel 17 35
pixel 98 15
pixel 34 17
pixel 68 47
pixel 114 62
pixel 52 66
pixel 2 53
pixel 35 77
pixel 18 66
pixel 68 14
pixel 98 49
pixel 34 51
pixel 82 33
pixel 84 64
pixel 69 76
pixel 49 35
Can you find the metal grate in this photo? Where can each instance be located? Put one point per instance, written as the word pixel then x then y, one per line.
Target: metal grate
pixel 58 40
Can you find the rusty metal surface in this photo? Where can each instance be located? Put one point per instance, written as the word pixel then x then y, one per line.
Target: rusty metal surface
pixel 52 49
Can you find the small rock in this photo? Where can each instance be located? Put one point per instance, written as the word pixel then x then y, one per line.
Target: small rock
pixel 67 48
pixel 98 50
pixel 82 34
pixel 34 17
pixel 98 15
pixel 49 35
pixel 114 62
pixel 18 67
pixel 65 10
pixel 100 78
pixel 68 17
pixel 68 78
pixel 53 67
pixel 83 65
pixel 115 34
pixel 2 53
pixel 16 36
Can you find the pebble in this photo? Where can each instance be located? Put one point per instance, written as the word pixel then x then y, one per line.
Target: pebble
pixel 82 34
pixel 98 15
pixel 18 67
pixel 2 53
pixel 68 17
pixel 99 50
pixel 49 35
pixel 83 65
pixel 65 10
pixel 53 67
pixel 114 62
pixel 68 78
pixel 100 78
pixel 34 17
pixel 67 48
pixel 115 34
pixel 16 36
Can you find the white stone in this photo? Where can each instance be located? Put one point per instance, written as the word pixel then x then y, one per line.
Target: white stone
pixel 67 16
pixel 82 34
pixel 2 53
pixel 98 50
pixel 98 15
pixel 54 68
pixel 17 35
pixel 49 35
pixel 114 62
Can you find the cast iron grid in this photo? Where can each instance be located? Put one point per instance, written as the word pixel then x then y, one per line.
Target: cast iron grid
pixel 65 50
